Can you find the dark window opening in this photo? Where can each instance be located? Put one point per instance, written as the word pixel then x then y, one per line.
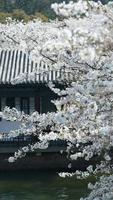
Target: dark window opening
pixel 0 105
pixel 46 105
pixel 25 105
pixel 0 108
pixel 10 102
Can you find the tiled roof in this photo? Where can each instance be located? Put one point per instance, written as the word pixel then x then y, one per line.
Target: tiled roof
pixel 14 63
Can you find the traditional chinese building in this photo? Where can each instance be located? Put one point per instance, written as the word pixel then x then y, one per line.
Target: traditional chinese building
pixel 23 83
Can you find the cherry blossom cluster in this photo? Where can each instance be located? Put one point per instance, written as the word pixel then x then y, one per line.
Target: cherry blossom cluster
pixel 101 190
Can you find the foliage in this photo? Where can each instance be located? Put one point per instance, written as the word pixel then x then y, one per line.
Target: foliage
pixel 20 15
pixel 30 7
pixel 4 16
pixel 21 10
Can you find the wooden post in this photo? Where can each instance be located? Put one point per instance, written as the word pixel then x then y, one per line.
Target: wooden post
pixel 37 103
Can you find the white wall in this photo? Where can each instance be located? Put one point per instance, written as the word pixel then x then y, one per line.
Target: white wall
pixel 7 126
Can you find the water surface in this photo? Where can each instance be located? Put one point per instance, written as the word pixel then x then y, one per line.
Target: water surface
pixel 40 186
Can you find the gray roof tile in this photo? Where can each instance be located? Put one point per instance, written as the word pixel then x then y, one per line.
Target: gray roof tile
pixel 14 63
